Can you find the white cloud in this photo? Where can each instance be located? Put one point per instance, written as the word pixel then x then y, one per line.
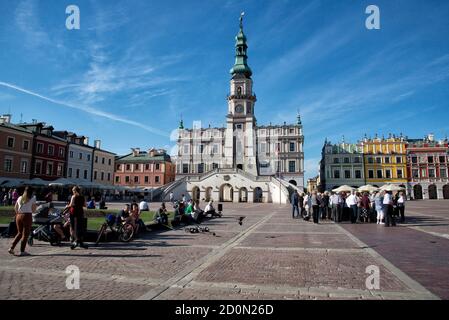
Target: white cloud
pixel 88 109
pixel 27 21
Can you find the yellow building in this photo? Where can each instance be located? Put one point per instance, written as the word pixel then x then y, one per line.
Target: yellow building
pixel 385 160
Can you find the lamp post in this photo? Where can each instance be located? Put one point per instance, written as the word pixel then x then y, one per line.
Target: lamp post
pixel 279 174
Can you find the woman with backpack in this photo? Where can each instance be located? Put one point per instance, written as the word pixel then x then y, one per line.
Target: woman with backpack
pixel 24 208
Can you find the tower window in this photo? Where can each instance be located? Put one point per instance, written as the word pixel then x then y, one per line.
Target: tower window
pixel 239 91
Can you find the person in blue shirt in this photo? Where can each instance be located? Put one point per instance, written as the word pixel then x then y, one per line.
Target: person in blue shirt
pixel 295 204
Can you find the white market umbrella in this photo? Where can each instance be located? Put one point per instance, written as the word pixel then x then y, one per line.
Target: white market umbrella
pixel 368 188
pixel 344 188
pixel 391 187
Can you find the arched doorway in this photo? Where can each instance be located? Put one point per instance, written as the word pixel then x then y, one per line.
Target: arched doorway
pixel 226 193
pixel 196 193
pixel 417 192
pixel 208 195
pixel 258 194
pixel 446 191
pixel 243 195
pixel 433 195
pixel 293 182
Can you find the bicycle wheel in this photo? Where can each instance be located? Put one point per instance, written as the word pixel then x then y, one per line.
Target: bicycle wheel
pixel 126 232
pixel 100 232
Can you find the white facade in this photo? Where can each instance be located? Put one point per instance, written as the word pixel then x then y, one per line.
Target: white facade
pixel 79 163
pixel 242 156
pixel 342 164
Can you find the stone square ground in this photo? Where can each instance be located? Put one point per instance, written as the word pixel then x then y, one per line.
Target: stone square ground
pixel 271 256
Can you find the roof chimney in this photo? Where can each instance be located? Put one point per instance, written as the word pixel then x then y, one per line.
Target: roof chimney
pixel 135 151
pixel 97 144
pixel 86 141
pixel 431 137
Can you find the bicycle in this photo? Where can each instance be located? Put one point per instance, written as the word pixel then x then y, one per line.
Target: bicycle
pixel 124 230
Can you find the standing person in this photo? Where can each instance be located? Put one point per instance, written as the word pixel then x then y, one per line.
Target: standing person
pixel 171 196
pixel 333 203
pixel 24 208
pixel 365 205
pixel 301 204
pixel 326 214
pixel 378 205
pixel 183 198
pixel 295 204
pixel 388 209
pixel 341 206
pixel 315 204
pixel 77 205
pixel 307 205
pixel 351 201
pixel 14 197
pixel 401 206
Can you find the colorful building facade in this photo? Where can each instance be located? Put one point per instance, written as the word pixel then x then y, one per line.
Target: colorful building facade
pixel 144 169
pixel 427 168
pixel 341 164
pixel 16 144
pixel 103 165
pixel 385 160
pixel 49 152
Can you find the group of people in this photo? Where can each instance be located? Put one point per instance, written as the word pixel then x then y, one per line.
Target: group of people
pixel 8 197
pixel 189 211
pixel 382 206
pixel 26 205
pixel 131 214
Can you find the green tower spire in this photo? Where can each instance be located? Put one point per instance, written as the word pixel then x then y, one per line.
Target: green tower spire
pixel 241 64
pixel 181 124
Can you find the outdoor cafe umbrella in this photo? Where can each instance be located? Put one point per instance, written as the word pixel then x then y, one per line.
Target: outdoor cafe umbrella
pixel 391 187
pixel 61 182
pixel 344 188
pixel 368 188
pixel 38 182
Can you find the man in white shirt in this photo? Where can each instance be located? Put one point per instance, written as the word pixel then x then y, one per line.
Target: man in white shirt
pixel 388 210
pixel 351 202
pixel 333 203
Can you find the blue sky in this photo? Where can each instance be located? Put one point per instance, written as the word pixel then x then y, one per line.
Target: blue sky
pixel 135 66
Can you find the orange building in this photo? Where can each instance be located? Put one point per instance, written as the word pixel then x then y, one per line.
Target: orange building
pixel 142 169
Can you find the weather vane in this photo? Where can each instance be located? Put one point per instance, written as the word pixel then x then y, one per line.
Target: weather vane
pixel 241 19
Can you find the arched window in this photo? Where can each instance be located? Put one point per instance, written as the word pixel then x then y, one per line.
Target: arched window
pixel 239 91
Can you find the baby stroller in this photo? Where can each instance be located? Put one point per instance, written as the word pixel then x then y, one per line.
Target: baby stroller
pixel 46 217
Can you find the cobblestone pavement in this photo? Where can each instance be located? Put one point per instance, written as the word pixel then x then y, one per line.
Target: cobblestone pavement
pixel 270 256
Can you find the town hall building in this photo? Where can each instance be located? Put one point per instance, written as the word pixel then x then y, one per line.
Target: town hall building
pixel 243 161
